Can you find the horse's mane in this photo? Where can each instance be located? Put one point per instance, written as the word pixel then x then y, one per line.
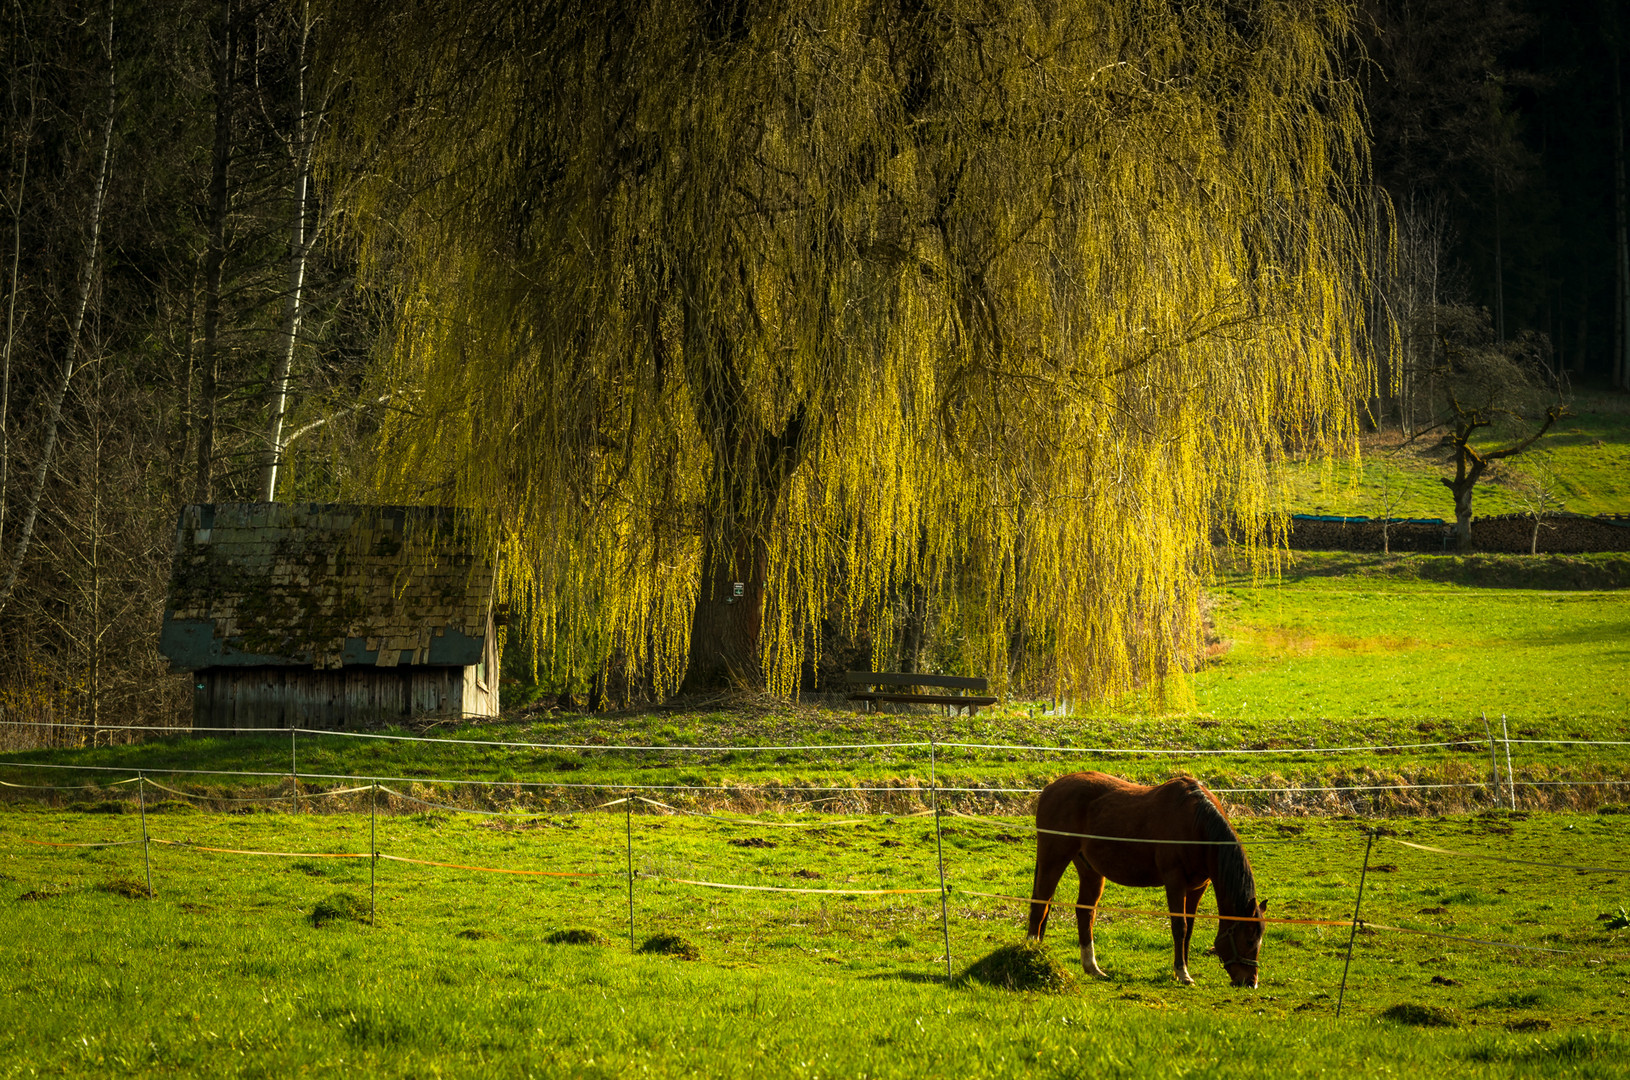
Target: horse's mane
pixel 1235 884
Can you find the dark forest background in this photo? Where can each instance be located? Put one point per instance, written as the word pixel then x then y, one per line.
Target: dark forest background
pixel 179 319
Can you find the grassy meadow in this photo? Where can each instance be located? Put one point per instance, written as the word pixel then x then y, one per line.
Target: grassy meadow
pixel 228 972
pixel 253 965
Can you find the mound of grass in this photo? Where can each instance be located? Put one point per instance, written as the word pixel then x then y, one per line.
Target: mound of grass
pixel 476 934
pixel 105 806
pixel 171 806
pixel 582 936
pixel 307 867
pixel 671 945
pixel 1420 1015
pixel 1020 967
pixel 339 907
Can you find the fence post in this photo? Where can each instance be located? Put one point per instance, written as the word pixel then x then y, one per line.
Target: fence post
pixel 373 854
pixel 146 859
pixel 939 849
pixel 628 839
pixel 1341 997
pixel 1494 766
pixel 294 771
pixel 1511 777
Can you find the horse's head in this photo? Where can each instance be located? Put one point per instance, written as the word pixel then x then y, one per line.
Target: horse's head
pixel 1239 942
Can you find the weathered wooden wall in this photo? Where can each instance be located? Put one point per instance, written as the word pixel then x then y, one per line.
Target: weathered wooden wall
pixel 350 697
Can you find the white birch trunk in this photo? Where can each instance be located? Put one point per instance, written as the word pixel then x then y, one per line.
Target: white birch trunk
pixel 293 310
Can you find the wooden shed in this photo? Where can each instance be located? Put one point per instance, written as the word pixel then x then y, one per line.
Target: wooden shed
pixel 332 616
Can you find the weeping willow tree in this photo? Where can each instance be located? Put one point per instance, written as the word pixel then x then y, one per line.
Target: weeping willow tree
pixel 1008 303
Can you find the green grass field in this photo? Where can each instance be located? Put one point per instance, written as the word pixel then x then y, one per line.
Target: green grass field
pixel 1589 453
pixel 1334 642
pixel 225 973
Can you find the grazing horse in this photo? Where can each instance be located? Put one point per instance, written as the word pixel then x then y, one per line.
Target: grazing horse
pixel 1177 837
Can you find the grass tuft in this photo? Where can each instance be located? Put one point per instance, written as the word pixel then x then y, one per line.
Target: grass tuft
pixel 1020 967
pixel 582 937
pixel 671 945
pixel 339 907
pixel 1420 1015
pixel 476 934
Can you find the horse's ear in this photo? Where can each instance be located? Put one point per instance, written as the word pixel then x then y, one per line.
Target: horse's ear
pixel 1262 905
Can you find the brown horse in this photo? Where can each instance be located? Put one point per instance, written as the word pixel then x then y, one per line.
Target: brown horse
pixel 1177 837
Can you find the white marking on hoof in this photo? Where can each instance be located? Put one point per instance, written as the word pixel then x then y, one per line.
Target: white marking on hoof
pixel 1089 962
pixel 1183 976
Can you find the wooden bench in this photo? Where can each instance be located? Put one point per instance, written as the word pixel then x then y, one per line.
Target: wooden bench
pixel 878 686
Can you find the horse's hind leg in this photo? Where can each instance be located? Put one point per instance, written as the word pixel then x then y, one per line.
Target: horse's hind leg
pixel 1086 913
pixel 1052 856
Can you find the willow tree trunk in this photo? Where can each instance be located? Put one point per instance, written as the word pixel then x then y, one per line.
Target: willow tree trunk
pixel 725 630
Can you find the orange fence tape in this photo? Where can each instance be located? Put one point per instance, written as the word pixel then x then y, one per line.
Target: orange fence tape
pixel 49 843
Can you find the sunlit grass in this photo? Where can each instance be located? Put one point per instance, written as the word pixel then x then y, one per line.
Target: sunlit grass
pixel 226 974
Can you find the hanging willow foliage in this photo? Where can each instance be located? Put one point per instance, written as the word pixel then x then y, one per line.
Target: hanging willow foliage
pixel 1007 303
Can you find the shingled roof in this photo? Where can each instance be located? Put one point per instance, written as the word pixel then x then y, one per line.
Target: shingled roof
pixel 325 586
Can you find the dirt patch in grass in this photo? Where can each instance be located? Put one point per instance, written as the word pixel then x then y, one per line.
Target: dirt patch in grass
pixel 671 945
pixel 1416 1015
pixel 339 907
pixel 578 936
pixel 1020 967
pixel 47 893
pixel 130 890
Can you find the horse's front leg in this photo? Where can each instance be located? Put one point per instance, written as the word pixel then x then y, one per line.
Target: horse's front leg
pixel 1086 914
pixel 1176 905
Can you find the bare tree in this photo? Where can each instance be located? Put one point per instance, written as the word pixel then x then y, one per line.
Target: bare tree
pixel 1389 500
pixel 1539 492
pixel 1485 384
pixel 69 363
